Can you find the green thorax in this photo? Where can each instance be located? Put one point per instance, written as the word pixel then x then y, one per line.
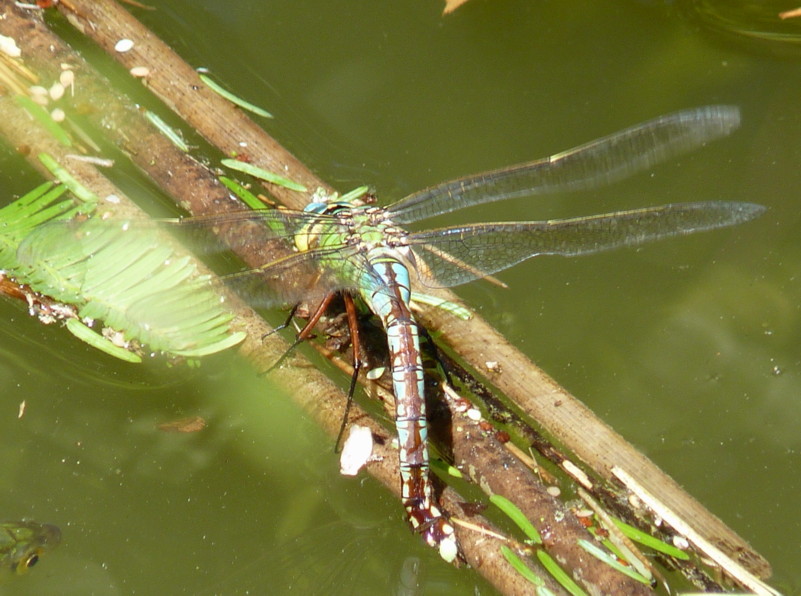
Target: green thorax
pixel 362 228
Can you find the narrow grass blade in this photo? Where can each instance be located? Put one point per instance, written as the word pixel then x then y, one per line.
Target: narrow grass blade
pixel 610 560
pixel 168 131
pixel 559 574
pixel 641 537
pixel 242 193
pixel 262 174
pixel 245 105
pixel 524 570
pixel 354 194
pixel 75 187
pixel 513 512
pixel 43 117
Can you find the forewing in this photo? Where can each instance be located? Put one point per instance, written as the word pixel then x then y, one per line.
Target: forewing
pixel 287 277
pixel 593 164
pixel 242 229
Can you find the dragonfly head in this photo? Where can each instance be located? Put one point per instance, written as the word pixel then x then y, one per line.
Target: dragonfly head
pixel 317 207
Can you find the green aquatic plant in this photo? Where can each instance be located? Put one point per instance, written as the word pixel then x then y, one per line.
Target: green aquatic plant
pixel 132 280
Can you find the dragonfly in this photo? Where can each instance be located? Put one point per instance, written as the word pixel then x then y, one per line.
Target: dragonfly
pixel 347 244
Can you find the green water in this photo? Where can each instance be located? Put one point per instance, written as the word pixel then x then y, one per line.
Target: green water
pixel 689 348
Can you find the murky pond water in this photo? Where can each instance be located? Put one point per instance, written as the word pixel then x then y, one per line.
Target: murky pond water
pixel 689 348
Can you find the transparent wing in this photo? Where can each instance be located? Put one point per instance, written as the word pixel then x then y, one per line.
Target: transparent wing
pixel 286 278
pixel 213 233
pixel 459 254
pixel 303 277
pixel 599 162
pixel 293 276
pixel 239 229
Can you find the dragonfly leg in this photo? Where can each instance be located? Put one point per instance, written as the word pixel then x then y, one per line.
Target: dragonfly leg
pixel 353 325
pixel 304 333
pixel 283 325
